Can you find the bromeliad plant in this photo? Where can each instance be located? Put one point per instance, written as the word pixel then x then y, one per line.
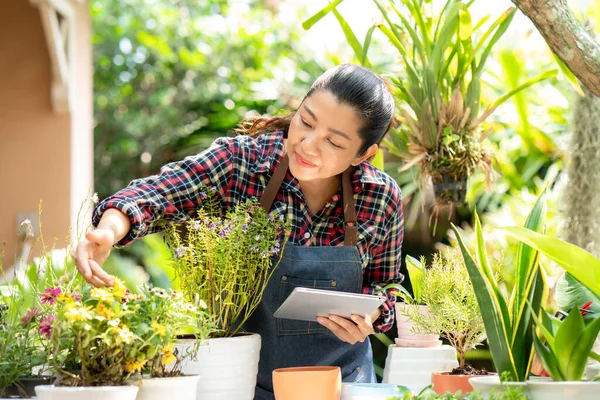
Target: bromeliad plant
pixel 568 344
pixel 439 94
pixel 228 260
pixel 508 321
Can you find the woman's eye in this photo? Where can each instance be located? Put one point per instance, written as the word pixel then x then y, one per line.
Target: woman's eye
pixel 334 145
pixel 305 123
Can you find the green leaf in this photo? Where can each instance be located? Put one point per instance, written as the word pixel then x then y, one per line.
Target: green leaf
pixel 548 360
pixel 416 272
pixel 319 15
pixel 351 37
pixel 576 261
pixel 495 324
pixel 544 75
pixel 569 75
pixel 465 28
pixel 567 336
pixel 365 47
pixel 583 348
pixel 503 23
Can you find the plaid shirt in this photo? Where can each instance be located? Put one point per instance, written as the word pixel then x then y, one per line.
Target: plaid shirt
pixel 239 168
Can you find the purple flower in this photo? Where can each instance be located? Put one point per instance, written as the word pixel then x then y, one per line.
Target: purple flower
pixel 50 295
pixel 224 232
pixel 202 195
pixel 76 297
pixel 46 326
pixel 244 227
pixel 264 253
pixel 275 250
pixel 212 225
pixel 29 316
pixel 196 225
pixel 180 251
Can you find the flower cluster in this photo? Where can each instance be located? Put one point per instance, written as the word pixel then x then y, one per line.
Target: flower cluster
pixel 227 260
pixel 112 333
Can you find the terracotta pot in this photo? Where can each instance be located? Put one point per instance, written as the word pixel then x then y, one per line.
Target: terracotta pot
pixel 301 383
pixel 443 382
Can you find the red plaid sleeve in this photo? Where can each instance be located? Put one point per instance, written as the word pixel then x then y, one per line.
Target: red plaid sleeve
pixel 384 267
pixel 173 194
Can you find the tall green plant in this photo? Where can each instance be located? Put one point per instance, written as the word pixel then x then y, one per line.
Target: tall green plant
pixel 508 319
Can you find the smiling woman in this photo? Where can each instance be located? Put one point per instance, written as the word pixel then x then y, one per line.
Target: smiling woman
pixel 310 167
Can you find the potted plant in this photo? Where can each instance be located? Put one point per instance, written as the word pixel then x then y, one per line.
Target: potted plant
pixel 22 348
pixel 225 262
pixel 409 333
pixel 507 318
pixel 158 316
pixel 454 314
pixel 88 328
pixel 568 344
pixel 439 91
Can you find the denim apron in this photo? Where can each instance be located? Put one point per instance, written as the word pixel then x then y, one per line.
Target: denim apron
pixel 291 343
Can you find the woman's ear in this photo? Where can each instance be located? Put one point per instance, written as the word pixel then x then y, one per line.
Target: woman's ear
pixel 366 155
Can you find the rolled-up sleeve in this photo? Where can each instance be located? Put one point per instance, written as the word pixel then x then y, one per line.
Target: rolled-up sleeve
pixel 384 267
pixel 174 194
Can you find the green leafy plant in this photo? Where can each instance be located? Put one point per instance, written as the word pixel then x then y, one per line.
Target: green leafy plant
pixel 416 275
pixel 439 93
pixel 509 321
pixel 22 348
pixel 453 309
pixel 568 344
pixel 227 261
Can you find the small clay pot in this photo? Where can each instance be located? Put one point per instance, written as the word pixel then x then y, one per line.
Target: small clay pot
pixel 443 382
pixel 302 383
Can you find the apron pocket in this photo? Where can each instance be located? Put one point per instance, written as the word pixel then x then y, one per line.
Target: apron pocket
pixel 287 284
pixel 356 376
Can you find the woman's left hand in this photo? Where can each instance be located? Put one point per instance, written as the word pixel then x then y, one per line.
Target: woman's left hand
pixel 350 331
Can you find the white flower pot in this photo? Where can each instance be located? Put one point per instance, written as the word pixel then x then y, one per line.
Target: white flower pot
pixel 227 367
pixel 51 392
pixel 408 334
pixel 582 390
pixel 177 387
pixel 412 367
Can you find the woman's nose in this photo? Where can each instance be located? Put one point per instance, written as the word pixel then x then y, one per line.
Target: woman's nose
pixel 310 145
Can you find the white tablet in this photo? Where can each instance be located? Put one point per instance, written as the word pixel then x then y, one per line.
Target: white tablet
pixel 307 304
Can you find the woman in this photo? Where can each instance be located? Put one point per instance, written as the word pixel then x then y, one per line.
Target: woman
pixel 311 166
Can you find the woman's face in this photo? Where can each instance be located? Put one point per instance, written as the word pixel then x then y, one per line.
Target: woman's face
pixel 323 139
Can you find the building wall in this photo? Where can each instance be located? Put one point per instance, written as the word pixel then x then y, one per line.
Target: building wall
pixel 36 143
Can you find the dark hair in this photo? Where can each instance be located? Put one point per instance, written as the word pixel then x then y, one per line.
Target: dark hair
pixel 353 85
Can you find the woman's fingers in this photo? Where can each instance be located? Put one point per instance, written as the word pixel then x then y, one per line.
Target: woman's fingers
pixel 346 330
pixel 100 275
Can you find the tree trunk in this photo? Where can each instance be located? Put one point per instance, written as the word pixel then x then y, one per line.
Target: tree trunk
pixel 567 38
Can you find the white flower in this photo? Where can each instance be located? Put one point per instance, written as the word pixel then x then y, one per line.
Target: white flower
pixel 114 322
pixel 95 198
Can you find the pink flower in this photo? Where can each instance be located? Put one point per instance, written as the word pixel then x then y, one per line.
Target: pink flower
pixel 77 297
pixel 49 295
pixel 46 326
pixel 29 316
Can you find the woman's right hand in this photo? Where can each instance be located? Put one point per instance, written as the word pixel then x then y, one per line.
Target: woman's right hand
pixel 91 253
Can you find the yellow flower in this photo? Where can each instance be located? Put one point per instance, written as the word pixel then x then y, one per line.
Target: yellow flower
pixel 119 289
pixel 125 334
pixel 104 311
pixel 77 313
pixel 158 328
pixel 65 297
pixel 101 295
pixel 134 365
pixel 168 356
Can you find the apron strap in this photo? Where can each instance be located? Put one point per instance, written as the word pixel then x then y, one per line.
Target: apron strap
pixel 266 201
pixel 350 229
